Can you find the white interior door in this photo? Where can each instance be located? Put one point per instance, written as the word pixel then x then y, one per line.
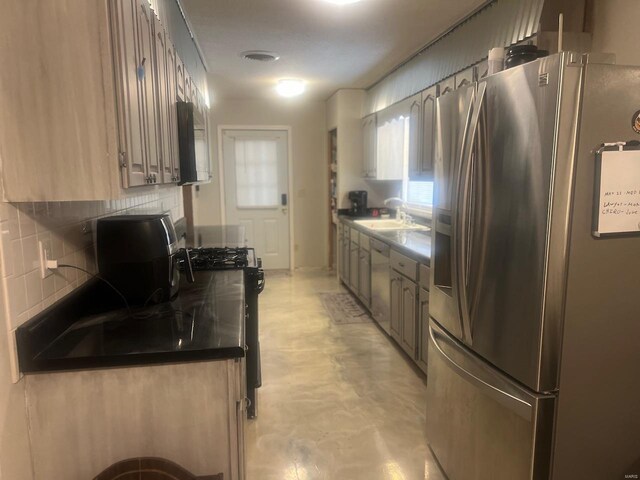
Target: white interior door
pixel 256 181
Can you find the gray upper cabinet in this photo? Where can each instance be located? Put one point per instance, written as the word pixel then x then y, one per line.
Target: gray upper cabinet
pixel 114 128
pixel 130 93
pixel 482 69
pixel 429 97
pixel 423 167
pixel 415 135
pixel 163 102
pixel 180 78
pixel 465 77
pixel 369 146
pixel 147 71
pixel 446 86
pixel 172 98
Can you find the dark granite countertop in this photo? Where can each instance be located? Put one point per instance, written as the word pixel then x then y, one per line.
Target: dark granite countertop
pixel 89 329
pixel 413 243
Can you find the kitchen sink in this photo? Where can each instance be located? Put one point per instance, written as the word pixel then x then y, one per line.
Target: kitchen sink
pixel 388 224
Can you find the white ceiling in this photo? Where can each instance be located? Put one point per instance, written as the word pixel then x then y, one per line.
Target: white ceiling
pixel 329 46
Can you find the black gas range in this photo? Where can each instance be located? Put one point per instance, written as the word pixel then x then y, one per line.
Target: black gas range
pixel 238 258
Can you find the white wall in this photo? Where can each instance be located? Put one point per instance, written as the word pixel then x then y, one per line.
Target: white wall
pixel 310 195
pixel 616 29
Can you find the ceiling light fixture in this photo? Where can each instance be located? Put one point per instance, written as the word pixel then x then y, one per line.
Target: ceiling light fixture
pixel 290 87
pixel 343 2
pixel 260 55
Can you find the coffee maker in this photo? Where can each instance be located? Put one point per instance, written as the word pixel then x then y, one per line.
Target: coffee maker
pixel 358 203
pixel 138 255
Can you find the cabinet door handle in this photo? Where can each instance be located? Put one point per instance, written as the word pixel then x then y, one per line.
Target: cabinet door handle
pixel 401 264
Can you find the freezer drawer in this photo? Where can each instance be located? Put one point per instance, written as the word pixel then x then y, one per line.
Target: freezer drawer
pixel 481 425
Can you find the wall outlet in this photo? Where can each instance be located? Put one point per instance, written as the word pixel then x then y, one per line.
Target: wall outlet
pixel 44 246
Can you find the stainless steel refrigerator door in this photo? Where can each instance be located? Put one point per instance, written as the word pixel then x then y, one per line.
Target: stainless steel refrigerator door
pixel 453 115
pixel 480 424
pixel 504 218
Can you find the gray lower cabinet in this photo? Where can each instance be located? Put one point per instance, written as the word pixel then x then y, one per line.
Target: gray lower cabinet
pixel 404 304
pixel 364 271
pixel 395 283
pixel 354 260
pixel 423 330
pixel 409 316
pixel 105 416
pixel 343 253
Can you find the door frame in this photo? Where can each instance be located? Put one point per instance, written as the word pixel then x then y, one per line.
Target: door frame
pixel 223 205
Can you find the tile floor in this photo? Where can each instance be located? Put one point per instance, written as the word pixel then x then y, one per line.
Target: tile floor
pixel 338 402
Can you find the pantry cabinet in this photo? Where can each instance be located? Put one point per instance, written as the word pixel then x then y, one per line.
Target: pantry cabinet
pixel 99 102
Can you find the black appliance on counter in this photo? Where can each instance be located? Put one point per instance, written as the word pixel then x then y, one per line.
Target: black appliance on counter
pixel 138 255
pixel 358 200
pixel 228 258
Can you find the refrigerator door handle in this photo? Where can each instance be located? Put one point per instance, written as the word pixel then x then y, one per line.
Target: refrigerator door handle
pixel 463 212
pixel 447 349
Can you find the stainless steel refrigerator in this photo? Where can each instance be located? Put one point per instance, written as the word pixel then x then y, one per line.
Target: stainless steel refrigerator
pixel 534 354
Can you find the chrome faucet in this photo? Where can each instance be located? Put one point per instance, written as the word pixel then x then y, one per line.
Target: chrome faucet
pixel 401 206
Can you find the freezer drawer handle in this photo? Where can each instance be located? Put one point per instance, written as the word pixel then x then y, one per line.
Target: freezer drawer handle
pixel 514 404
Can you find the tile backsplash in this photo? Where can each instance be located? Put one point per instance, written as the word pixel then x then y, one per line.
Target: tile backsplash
pixel 68 227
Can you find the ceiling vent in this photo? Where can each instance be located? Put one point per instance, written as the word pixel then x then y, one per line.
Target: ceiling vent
pixel 260 56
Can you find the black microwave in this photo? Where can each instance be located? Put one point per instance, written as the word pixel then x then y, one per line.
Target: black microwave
pixel 193 147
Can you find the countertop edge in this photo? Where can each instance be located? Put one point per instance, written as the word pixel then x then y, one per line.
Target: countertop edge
pixel 419 257
pixel 132 360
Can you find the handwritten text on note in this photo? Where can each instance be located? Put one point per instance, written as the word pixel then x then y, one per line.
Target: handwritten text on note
pixel 619 204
